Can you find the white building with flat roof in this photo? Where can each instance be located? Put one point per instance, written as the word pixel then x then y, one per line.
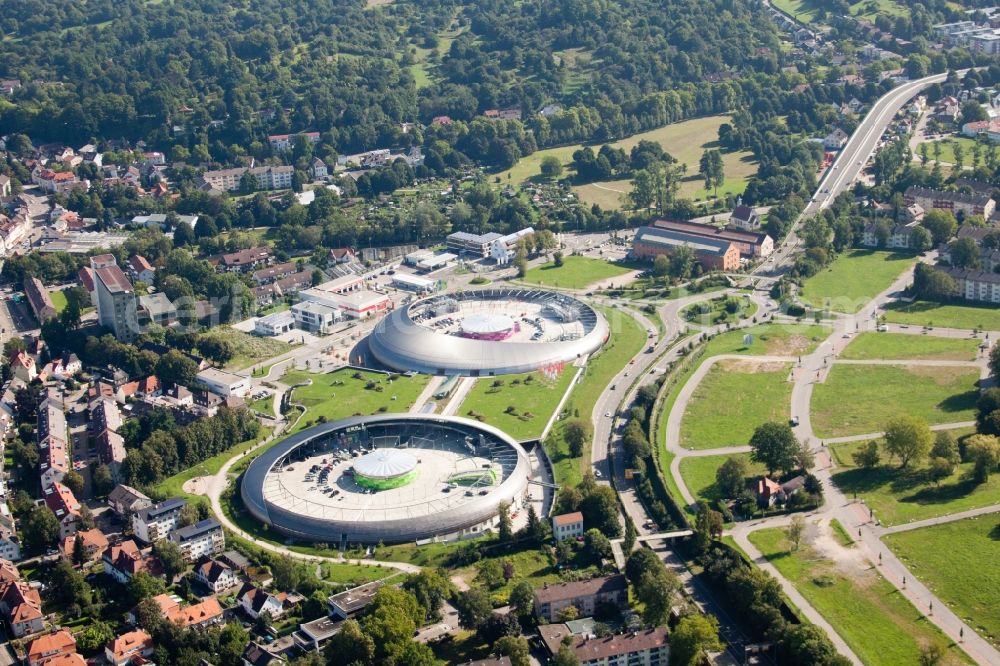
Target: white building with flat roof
pixel 316 317
pixel 221 382
pixel 436 261
pixel 275 323
pixel 413 283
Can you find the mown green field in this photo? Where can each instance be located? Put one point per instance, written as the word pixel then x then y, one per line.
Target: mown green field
pixel 879 624
pixel 895 346
pixel 854 278
pixel 732 400
pixel 575 273
pixel 857 399
pixel 958 562
pixel 520 405
pixel 927 313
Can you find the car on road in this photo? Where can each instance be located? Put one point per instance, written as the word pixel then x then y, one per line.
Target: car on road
pixel 597 473
pixel 882 328
pixel 607 415
pixel 794 421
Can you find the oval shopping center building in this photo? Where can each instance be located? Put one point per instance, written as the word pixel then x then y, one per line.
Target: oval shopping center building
pixel 388 477
pixel 486 332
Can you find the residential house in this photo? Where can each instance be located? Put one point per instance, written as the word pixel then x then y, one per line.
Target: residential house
pixel 243 260
pixel 567 526
pixel 235 559
pixel 141 269
pixel 216 576
pixel 204 538
pixel 146 387
pixel 318 169
pixel 770 492
pixel 205 614
pixel 274 273
pixel 94 545
pixel 126 501
pixel 312 636
pixel 256 601
pixel 713 254
pixel 23 366
pixel 156 308
pixel 21 605
pixel 255 655
pixel 124 560
pixel 901 236
pixel 61 368
pixel 10 546
pixel 647 647
pixel 343 255
pixel 744 217
pixel 835 140
pixel 123 649
pixel 958 202
pixel 105 422
pixel 52 181
pixel 156 522
pixel 39 300
pixel 63 503
pixel 51 645
pixel 262 178
pixel 68 659
pixel 50 431
pixel 585 595
pixel 115 297
pixel 975 285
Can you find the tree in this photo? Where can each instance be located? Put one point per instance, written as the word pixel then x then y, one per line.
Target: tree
pixel 94 637
pixel 945 447
pixel 391 620
pixel 522 598
pixel 630 536
pixel 568 613
pixel 600 510
pixel 170 557
pixel 505 528
pixel 490 574
pixel 731 477
pixel 497 626
pixel 144 586
pixel 74 482
pixel 565 657
pixel 514 648
pixel 932 284
pixel 287 573
pixel 79 552
pixel 931 654
pixel 657 592
pixel 795 531
pixel 521 262
pixel 940 469
pixel 681 262
pixel 995 361
pixel 973 111
pixel 661 266
pixel 474 607
pixel 965 253
pixel 176 368
pixel 39 529
pixel 908 438
pixel 536 530
pixel 577 432
pixel 712 169
pixel 640 562
pixel 597 545
pixel 867 456
pixel 940 223
pixel 694 635
pixel 350 645
pixel 984 451
pixel 774 445
pixel 551 167
pixel 101 481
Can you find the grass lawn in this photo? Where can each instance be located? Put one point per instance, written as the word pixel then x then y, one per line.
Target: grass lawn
pixel 854 278
pixel 896 346
pixel 769 340
pixel 856 399
pixel 345 393
pixel 535 566
pixel 520 405
pixel 948 150
pixel 734 398
pixel 351 575
pixel 248 349
pixel 575 273
pixel 686 141
pixel 879 624
pixel 58 297
pixel 927 313
pixel 944 558
pixel 903 496
pixel 626 340
pixel 699 474
pixel 799 9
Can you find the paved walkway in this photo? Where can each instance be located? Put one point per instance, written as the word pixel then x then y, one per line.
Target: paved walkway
pixel 940 520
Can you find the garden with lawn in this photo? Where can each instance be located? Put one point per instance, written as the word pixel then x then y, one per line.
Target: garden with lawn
pixel 958 562
pixel 575 273
pixel 348 392
pixel 929 313
pixel 900 496
pixel 732 399
pixel 859 399
pixel 896 346
pixel 520 405
pixel 876 621
pixel 698 473
pixel 853 278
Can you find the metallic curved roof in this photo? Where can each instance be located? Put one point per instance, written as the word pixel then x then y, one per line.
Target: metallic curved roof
pixel 403 344
pixel 304 525
pixel 385 464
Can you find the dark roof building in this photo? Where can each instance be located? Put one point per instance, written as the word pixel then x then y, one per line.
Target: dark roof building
pixel 712 253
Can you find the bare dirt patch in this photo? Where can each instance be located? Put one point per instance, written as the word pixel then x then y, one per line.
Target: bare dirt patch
pixel 750 366
pixel 788 345
pixel 849 560
pixel 197 486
